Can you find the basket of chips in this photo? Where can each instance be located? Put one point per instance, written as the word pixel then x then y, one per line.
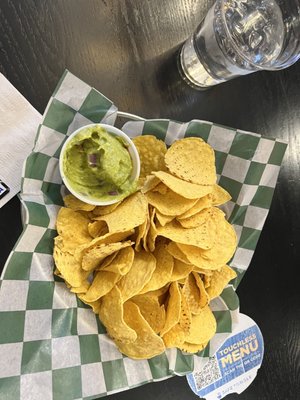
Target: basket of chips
pixel 112 297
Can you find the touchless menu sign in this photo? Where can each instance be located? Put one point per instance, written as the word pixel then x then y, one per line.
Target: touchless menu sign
pixel 234 366
pixel 4 189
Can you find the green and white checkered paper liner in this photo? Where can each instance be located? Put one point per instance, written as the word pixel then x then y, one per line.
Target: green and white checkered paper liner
pixel 52 346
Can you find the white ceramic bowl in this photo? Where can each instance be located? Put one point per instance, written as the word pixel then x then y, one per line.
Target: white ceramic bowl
pixel 132 151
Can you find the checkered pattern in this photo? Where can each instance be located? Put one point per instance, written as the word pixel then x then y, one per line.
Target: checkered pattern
pixel 52 346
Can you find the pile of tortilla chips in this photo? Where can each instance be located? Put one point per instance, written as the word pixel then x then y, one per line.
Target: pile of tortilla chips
pixel 149 265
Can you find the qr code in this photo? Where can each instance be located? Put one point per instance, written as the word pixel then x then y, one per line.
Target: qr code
pixel 208 375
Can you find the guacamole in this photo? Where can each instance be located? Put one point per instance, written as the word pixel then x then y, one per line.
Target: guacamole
pixel 97 164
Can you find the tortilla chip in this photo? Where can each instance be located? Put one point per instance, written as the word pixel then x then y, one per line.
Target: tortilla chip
pixel 150 183
pixel 185 189
pixel 174 250
pixel 152 154
pixel 138 276
pixel 81 289
pixel 175 337
pixel 141 234
pixel 108 238
pixel 173 308
pixel 95 305
pixel 203 327
pixel 152 232
pixel 219 254
pixel 161 188
pixel 104 210
pixel 75 204
pixel 180 270
pixel 102 284
pixel 69 268
pixel 163 270
pixel 93 256
pixel 131 213
pixel 197 219
pixel 206 278
pixel 163 219
pixel 219 195
pixel 194 291
pixel 169 203
pixel 147 344
pixel 112 316
pixel 204 298
pixel 202 236
pixel 192 160
pixel 201 204
pixel 151 310
pixel 192 348
pixel 97 228
pixel 121 263
pixel 219 280
pixel 72 227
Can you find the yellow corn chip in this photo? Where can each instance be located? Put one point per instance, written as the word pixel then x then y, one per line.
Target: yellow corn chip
pixel 142 231
pixel 175 337
pixel 206 279
pixel 69 268
pixel 163 270
pixel 92 257
pixel 121 263
pixel 107 260
pixel 131 213
pixel 192 160
pixel 204 298
pixel 108 238
pixel 180 270
pixel 97 228
pixel 104 210
pixel 161 188
pixel 152 232
pixel 173 308
pixel 219 254
pixel 112 316
pixel 169 203
pixel 75 204
pixel 81 289
pixel 201 204
pixel 196 219
pixel 95 305
pixel 194 291
pixel 219 195
pixel 185 189
pixel 150 183
pixel 202 236
pixel 103 283
pixel 144 239
pixel 147 344
pixel 152 154
pixel 203 327
pixel 151 310
pixel 138 276
pixel 192 348
pixel 160 293
pixel 72 227
pixel 174 250
pixel 163 219
pixel 219 279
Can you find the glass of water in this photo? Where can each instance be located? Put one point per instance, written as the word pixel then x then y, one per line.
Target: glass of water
pixel 238 37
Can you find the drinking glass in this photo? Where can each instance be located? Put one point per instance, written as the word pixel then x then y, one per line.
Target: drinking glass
pixel 238 37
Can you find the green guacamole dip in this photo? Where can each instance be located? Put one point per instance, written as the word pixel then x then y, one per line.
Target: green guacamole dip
pixel 97 164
